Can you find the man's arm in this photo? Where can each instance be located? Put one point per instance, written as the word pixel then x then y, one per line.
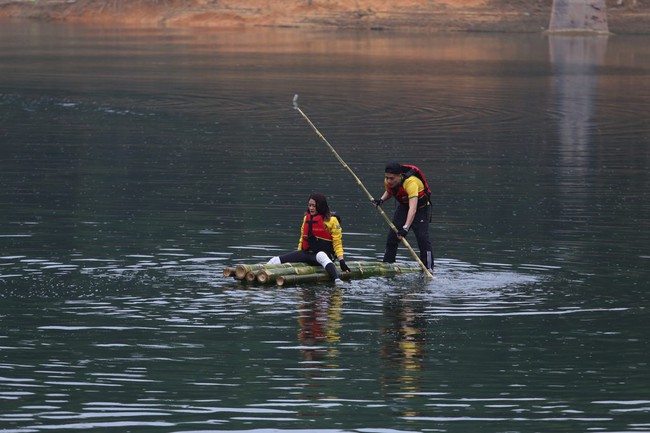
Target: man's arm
pixel 410 216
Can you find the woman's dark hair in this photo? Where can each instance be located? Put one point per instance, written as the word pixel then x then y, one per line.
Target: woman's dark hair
pixel 321 204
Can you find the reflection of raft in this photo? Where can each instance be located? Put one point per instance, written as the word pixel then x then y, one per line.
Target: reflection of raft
pixel 293 273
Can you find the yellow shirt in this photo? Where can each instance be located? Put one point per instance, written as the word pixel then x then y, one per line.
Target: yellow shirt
pixel 333 227
pixel 412 185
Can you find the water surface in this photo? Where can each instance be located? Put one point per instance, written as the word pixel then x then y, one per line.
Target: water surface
pixel 136 165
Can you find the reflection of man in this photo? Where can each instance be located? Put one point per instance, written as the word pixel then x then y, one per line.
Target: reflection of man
pixel 407 185
pixel 403 348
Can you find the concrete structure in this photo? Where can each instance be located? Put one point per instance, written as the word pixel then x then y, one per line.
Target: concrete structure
pixel 578 16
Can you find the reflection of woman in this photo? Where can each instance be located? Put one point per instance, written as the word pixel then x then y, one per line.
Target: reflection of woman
pixel 321 239
pixel 320 322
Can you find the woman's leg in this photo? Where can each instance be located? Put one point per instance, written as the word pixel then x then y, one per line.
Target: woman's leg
pixel 299 257
pixel 320 258
pixel 325 262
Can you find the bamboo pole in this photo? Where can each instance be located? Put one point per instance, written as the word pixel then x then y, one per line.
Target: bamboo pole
pixel 266 276
pixel 370 197
pixel 242 269
pixel 356 272
pixel 285 280
pixel 251 275
pixel 267 273
pixel 260 275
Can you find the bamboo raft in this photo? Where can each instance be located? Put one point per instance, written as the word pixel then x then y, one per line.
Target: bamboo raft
pixel 294 273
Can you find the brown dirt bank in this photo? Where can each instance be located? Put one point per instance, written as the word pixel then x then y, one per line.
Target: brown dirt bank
pixel 633 16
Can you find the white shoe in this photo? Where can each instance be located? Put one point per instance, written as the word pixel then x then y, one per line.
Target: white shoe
pixel 338 282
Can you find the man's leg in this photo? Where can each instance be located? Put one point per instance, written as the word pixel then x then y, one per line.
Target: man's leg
pixel 420 228
pixel 399 218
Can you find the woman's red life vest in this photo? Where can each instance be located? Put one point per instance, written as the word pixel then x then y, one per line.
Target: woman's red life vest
pixel 315 236
pixel 400 193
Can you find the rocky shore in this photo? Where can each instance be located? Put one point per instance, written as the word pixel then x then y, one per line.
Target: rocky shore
pixel 624 16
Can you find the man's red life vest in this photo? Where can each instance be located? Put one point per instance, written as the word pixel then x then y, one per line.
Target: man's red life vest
pixel 315 236
pixel 400 193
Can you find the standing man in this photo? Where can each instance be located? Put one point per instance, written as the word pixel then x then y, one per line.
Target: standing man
pixel 407 184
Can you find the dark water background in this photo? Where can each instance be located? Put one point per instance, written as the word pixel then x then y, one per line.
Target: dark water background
pixel 135 165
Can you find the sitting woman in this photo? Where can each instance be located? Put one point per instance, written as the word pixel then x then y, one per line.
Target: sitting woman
pixel 321 239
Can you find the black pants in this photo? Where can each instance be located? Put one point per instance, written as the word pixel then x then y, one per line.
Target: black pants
pixel 300 257
pixel 309 258
pixel 420 227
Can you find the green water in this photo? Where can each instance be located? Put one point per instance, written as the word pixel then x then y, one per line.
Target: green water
pixel 136 165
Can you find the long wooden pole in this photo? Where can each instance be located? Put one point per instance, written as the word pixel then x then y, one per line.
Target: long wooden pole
pixel 370 197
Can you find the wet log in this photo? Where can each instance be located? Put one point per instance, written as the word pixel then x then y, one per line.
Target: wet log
pixel 285 280
pixel 241 270
pixel 358 270
pixel 266 276
pixel 287 273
